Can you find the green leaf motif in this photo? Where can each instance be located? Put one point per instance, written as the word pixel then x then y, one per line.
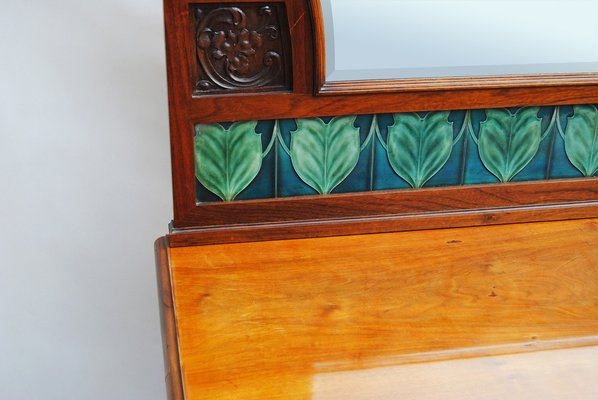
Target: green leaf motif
pixel 419 147
pixel 227 161
pixel 323 155
pixel 508 142
pixel 581 139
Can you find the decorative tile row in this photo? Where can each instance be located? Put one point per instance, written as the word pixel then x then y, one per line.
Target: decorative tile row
pixel 268 159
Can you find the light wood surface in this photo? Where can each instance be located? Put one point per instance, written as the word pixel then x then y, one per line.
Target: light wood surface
pixel 548 375
pixel 306 319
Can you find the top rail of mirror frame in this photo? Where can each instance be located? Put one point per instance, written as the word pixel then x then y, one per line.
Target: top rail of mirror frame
pixel 374 86
pixel 309 93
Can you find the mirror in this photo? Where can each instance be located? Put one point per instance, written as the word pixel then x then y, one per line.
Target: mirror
pixel 412 39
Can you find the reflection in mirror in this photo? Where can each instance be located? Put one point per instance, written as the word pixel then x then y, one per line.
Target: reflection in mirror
pixel 402 39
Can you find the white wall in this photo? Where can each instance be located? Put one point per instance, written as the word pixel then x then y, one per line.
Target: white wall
pixel 84 191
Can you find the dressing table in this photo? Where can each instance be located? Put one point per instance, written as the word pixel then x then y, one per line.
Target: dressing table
pixel 391 199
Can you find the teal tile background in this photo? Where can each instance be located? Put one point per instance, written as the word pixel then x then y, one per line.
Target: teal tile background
pixel 278 176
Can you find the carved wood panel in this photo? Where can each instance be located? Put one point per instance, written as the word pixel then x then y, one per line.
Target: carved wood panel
pixel 241 48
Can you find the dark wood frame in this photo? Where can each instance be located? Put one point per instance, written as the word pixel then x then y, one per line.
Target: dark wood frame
pixel 454 206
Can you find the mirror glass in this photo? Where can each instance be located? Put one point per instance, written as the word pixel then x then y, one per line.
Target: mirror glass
pixel 401 39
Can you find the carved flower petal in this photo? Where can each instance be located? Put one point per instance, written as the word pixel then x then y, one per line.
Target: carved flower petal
pixel 236 62
pixel 256 39
pixel 247 52
pixel 218 39
pixel 244 65
pixel 204 39
pixel 243 35
pixel 217 54
pixel 232 37
pixel 245 44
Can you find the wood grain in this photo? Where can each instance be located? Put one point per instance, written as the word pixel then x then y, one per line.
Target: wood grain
pixel 172 365
pixel 266 320
pixel 265 106
pixel 434 84
pixel 305 33
pixel 399 223
pixel 394 202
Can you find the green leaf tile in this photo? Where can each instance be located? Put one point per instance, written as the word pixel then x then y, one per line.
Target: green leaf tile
pixel 323 155
pixel 581 139
pixel 419 147
pixel 508 142
pixel 227 160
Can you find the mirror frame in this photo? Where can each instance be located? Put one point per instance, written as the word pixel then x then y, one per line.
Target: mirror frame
pixel 337 214
pixel 373 86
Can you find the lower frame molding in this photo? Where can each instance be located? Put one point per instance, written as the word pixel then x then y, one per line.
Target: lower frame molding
pixel 395 223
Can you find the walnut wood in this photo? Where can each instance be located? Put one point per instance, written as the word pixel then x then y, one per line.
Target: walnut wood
pixel 306 38
pixel 172 366
pixel 407 222
pixel 391 203
pixel 297 105
pixel 431 84
pixel 305 32
pixel 262 62
pixel 319 49
pixel 269 320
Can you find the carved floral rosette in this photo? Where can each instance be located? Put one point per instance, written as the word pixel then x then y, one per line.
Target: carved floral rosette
pixel 239 49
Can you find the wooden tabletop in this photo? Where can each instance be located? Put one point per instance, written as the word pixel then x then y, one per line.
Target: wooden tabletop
pixel 470 313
